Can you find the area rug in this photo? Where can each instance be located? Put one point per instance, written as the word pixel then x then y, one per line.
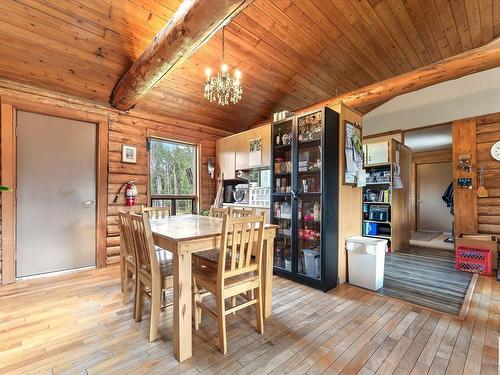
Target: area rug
pixel 426 277
pixel 424 235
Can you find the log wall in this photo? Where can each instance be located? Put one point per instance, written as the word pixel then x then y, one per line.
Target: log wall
pixel 488 210
pixel 128 128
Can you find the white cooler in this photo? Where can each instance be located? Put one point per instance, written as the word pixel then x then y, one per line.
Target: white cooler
pixel 365 257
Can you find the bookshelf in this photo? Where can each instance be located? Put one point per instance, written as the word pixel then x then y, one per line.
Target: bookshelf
pixel 385 212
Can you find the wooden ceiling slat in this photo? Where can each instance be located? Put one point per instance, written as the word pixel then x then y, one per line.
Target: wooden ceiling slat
pixel 460 16
pixel 297 46
pixel 418 18
pixel 293 53
pixel 371 17
pixel 281 52
pixel 496 17
pixel 474 21
pixel 278 12
pixel 336 42
pixel 436 28
pixel 336 17
pixel 450 28
pixel 486 10
pixel 313 22
pixel 389 21
pixel 401 14
pixel 76 20
pixel 365 20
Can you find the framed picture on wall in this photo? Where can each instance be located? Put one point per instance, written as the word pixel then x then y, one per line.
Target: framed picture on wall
pixel 129 154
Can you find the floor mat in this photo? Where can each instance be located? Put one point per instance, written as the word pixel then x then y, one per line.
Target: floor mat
pixel 426 277
pixel 423 235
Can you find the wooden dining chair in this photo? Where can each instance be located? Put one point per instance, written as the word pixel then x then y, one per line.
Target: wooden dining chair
pixel 241 212
pixel 218 212
pixel 127 254
pixel 156 212
pixel 154 272
pixel 236 277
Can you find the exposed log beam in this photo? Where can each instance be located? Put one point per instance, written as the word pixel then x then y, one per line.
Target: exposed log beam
pixel 474 61
pixel 192 25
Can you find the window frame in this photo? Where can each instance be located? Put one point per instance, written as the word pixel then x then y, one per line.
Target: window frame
pixel 172 197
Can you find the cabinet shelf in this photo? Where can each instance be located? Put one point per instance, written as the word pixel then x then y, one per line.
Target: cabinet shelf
pixel 378 222
pixel 314 142
pixel 389 203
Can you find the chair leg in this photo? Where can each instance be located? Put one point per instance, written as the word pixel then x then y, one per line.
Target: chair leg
pixel 197 310
pixel 221 322
pixel 154 321
pixel 258 311
pixel 126 286
pixel 122 273
pixel 139 299
pixel 233 303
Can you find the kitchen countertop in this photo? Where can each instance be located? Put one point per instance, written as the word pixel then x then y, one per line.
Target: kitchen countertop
pixel 245 205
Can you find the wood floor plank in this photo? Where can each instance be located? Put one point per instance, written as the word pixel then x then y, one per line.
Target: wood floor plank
pixel 76 324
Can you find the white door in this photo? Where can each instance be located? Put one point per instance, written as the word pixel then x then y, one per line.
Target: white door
pixel 56 194
pixel 432 181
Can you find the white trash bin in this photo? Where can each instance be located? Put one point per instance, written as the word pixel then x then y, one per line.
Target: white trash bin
pixel 365 257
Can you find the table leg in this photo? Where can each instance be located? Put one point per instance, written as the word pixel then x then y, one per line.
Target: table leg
pixel 183 333
pixel 267 262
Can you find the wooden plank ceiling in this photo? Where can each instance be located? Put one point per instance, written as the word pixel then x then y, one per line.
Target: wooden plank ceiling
pixel 292 53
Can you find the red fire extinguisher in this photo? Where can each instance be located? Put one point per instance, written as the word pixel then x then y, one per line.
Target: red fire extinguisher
pixel 130 193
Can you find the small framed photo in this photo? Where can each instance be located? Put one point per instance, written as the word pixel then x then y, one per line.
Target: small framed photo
pixel 129 154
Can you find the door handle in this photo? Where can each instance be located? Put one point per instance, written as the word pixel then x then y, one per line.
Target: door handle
pixel 88 203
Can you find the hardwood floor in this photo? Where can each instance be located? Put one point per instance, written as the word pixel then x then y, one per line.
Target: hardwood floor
pixel 76 324
pixel 427 277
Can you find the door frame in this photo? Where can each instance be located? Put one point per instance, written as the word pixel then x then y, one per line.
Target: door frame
pixel 423 157
pixel 417 205
pixel 8 109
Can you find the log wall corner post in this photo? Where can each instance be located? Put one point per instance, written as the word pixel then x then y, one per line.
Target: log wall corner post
pixel 191 26
pixel 464 200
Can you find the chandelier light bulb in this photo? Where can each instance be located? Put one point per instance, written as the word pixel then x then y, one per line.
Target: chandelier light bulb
pixel 237 74
pixel 208 72
pixel 224 68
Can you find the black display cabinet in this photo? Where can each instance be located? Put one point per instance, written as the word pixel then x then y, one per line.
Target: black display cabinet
pixel 304 199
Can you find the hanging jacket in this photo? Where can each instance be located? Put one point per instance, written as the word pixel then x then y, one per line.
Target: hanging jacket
pixel 448 198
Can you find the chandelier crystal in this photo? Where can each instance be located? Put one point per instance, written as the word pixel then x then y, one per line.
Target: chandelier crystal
pixel 223 88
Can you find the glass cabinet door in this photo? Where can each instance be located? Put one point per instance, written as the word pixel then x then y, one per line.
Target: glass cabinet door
pixel 309 235
pixel 282 216
pixel 309 132
pixel 282 163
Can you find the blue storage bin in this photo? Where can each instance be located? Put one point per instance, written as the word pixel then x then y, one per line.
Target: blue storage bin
pixel 370 229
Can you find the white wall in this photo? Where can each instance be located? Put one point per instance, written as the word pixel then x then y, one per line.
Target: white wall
pixel 474 95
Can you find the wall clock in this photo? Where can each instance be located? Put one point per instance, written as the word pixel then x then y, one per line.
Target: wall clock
pixel 495 151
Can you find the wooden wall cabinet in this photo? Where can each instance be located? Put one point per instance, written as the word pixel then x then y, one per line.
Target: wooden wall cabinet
pixel 377 153
pixel 225 157
pixel 233 151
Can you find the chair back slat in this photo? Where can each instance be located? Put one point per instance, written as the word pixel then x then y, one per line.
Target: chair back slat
pixel 218 212
pixel 156 212
pixel 240 235
pixel 145 247
pixel 127 241
pixel 241 212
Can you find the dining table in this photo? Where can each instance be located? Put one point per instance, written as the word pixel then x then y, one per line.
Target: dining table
pixel 184 235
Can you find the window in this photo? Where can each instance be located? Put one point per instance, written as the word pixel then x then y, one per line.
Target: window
pixel 173 175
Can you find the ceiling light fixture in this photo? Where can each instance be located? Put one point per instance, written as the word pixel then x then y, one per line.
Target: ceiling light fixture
pixel 223 88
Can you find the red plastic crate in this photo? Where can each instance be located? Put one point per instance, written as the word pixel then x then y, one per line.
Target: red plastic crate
pixel 473 259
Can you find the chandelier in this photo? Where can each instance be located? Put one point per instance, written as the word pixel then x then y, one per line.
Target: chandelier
pixel 223 88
